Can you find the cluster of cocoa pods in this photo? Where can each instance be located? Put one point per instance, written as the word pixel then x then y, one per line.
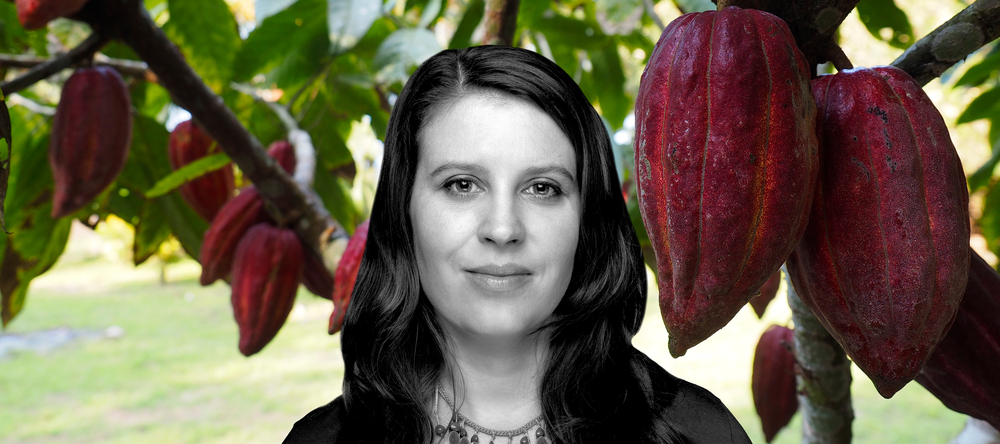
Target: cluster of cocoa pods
pixel 743 163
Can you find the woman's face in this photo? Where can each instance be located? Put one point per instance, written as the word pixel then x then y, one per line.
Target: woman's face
pixel 496 215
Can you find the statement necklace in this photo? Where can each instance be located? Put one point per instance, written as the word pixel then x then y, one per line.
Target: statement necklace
pixel 456 433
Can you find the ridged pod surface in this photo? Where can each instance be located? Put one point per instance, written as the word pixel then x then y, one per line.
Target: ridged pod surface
pixel 775 395
pixel 346 275
pixel 206 194
pixel 884 261
pixel 726 160
pixel 234 219
pixel 962 371
pixel 35 14
pixel 91 136
pixel 266 275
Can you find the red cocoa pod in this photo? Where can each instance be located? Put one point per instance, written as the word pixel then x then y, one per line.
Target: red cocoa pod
pixel 225 232
pixel 266 275
pixel 35 14
pixel 284 153
pixel 775 395
pixel 884 261
pixel 962 371
pixel 315 276
pixel 726 161
pixel 91 136
pixel 767 293
pixel 206 194
pixel 346 275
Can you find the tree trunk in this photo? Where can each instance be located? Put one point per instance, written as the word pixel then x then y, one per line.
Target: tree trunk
pixel 501 22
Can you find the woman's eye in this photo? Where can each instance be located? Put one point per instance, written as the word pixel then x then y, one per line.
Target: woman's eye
pixel 460 186
pixel 545 190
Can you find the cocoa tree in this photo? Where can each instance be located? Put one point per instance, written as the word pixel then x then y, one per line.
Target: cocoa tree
pixel 312 71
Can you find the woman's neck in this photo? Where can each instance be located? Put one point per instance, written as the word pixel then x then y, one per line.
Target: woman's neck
pixel 496 380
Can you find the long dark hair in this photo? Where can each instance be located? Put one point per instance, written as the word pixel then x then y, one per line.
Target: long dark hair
pixel 595 385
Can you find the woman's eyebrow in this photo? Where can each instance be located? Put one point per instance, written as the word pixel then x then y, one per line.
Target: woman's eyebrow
pixel 476 169
pixel 534 171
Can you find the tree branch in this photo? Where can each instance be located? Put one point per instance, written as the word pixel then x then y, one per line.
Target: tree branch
pixel 44 70
pixel 954 40
pixel 131 68
pixel 501 22
pixel 128 21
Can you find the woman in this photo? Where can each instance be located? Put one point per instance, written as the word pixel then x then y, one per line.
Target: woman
pixel 502 280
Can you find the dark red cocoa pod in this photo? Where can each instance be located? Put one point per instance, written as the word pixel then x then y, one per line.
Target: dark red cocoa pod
pixel 963 370
pixel 225 232
pixel 775 395
pixel 315 276
pixel 284 153
pixel 767 293
pixel 726 161
pixel 91 136
pixel 35 14
pixel 266 275
pixel 885 259
pixel 206 194
pixel 346 275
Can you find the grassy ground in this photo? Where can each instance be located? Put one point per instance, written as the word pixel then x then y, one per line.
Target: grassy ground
pixel 175 376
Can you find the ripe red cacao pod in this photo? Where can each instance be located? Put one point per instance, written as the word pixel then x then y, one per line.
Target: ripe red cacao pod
pixel 315 276
pixel 234 219
pixel 767 293
pixel 284 153
pixel 726 160
pixel 346 275
pixel 206 194
pixel 91 136
pixel 963 370
pixel 775 395
pixel 35 14
pixel 266 275
pixel 884 261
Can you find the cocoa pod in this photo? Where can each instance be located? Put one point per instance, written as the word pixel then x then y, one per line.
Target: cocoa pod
pixel 266 275
pixel 315 276
pixel 775 395
pixel 726 160
pixel 205 194
pixel 35 14
pixel 767 293
pixel 227 228
pixel 284 153
pixel 884 261
pixel 962 371
pixel 91 136
pixel 346 275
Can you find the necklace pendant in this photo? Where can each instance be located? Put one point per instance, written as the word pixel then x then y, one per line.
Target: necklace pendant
pixel 453 438
pixel 439 430
pixel 525 440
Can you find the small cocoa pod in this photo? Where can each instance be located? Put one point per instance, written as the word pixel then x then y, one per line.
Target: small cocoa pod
pixel 884 261
pixel 227 228
pixel 726 160
pixel 91 136
pixel 205 194
pixel 767 293
pixel 315 276
pixel 962 371
pixel 346 275
pixel 266 275
pixel 35 14
pixel 284 153
pixel 775 395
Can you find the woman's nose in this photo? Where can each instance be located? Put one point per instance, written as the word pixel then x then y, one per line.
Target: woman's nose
pixel 501 224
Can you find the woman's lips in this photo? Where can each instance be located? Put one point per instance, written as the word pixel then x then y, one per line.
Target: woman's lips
pixel 500 278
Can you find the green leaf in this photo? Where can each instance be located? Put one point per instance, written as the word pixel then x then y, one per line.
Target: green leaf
pixel 432 10
pixel 266 8
pixel 619 17
pixel 985 106
pixel 571 33
pixel 18 269
pixel 881 14
pixel 609 81
pixel 187 226
pixel 470 19
pixel 990 220
pixel 402 50
pixel 5 134
pixel 206 32
pixel 281 37
pixel 982 176
pixel 986 69
pixel 686 6
pixel 151 231
pixel 14 38
pixel 187 173
pixel 336 196
pixel 349 20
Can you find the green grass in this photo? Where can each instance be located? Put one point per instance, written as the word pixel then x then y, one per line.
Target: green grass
pixel 176 375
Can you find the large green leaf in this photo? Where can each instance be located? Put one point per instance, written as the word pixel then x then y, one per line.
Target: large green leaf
pixel 687 6
pixel 206 32
pixel 619 16
pixel 336 196
pixel 986 69
pixel 985 106
pixel 266 8
pixel 462 38
pixel 609 81
pixel 349 20
pixel 151 231
pixel 404 49
pixel 884 14
pixel 989 222
pixel 13 37
pixel 289 34
pixel 982 176
pixel 187 173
